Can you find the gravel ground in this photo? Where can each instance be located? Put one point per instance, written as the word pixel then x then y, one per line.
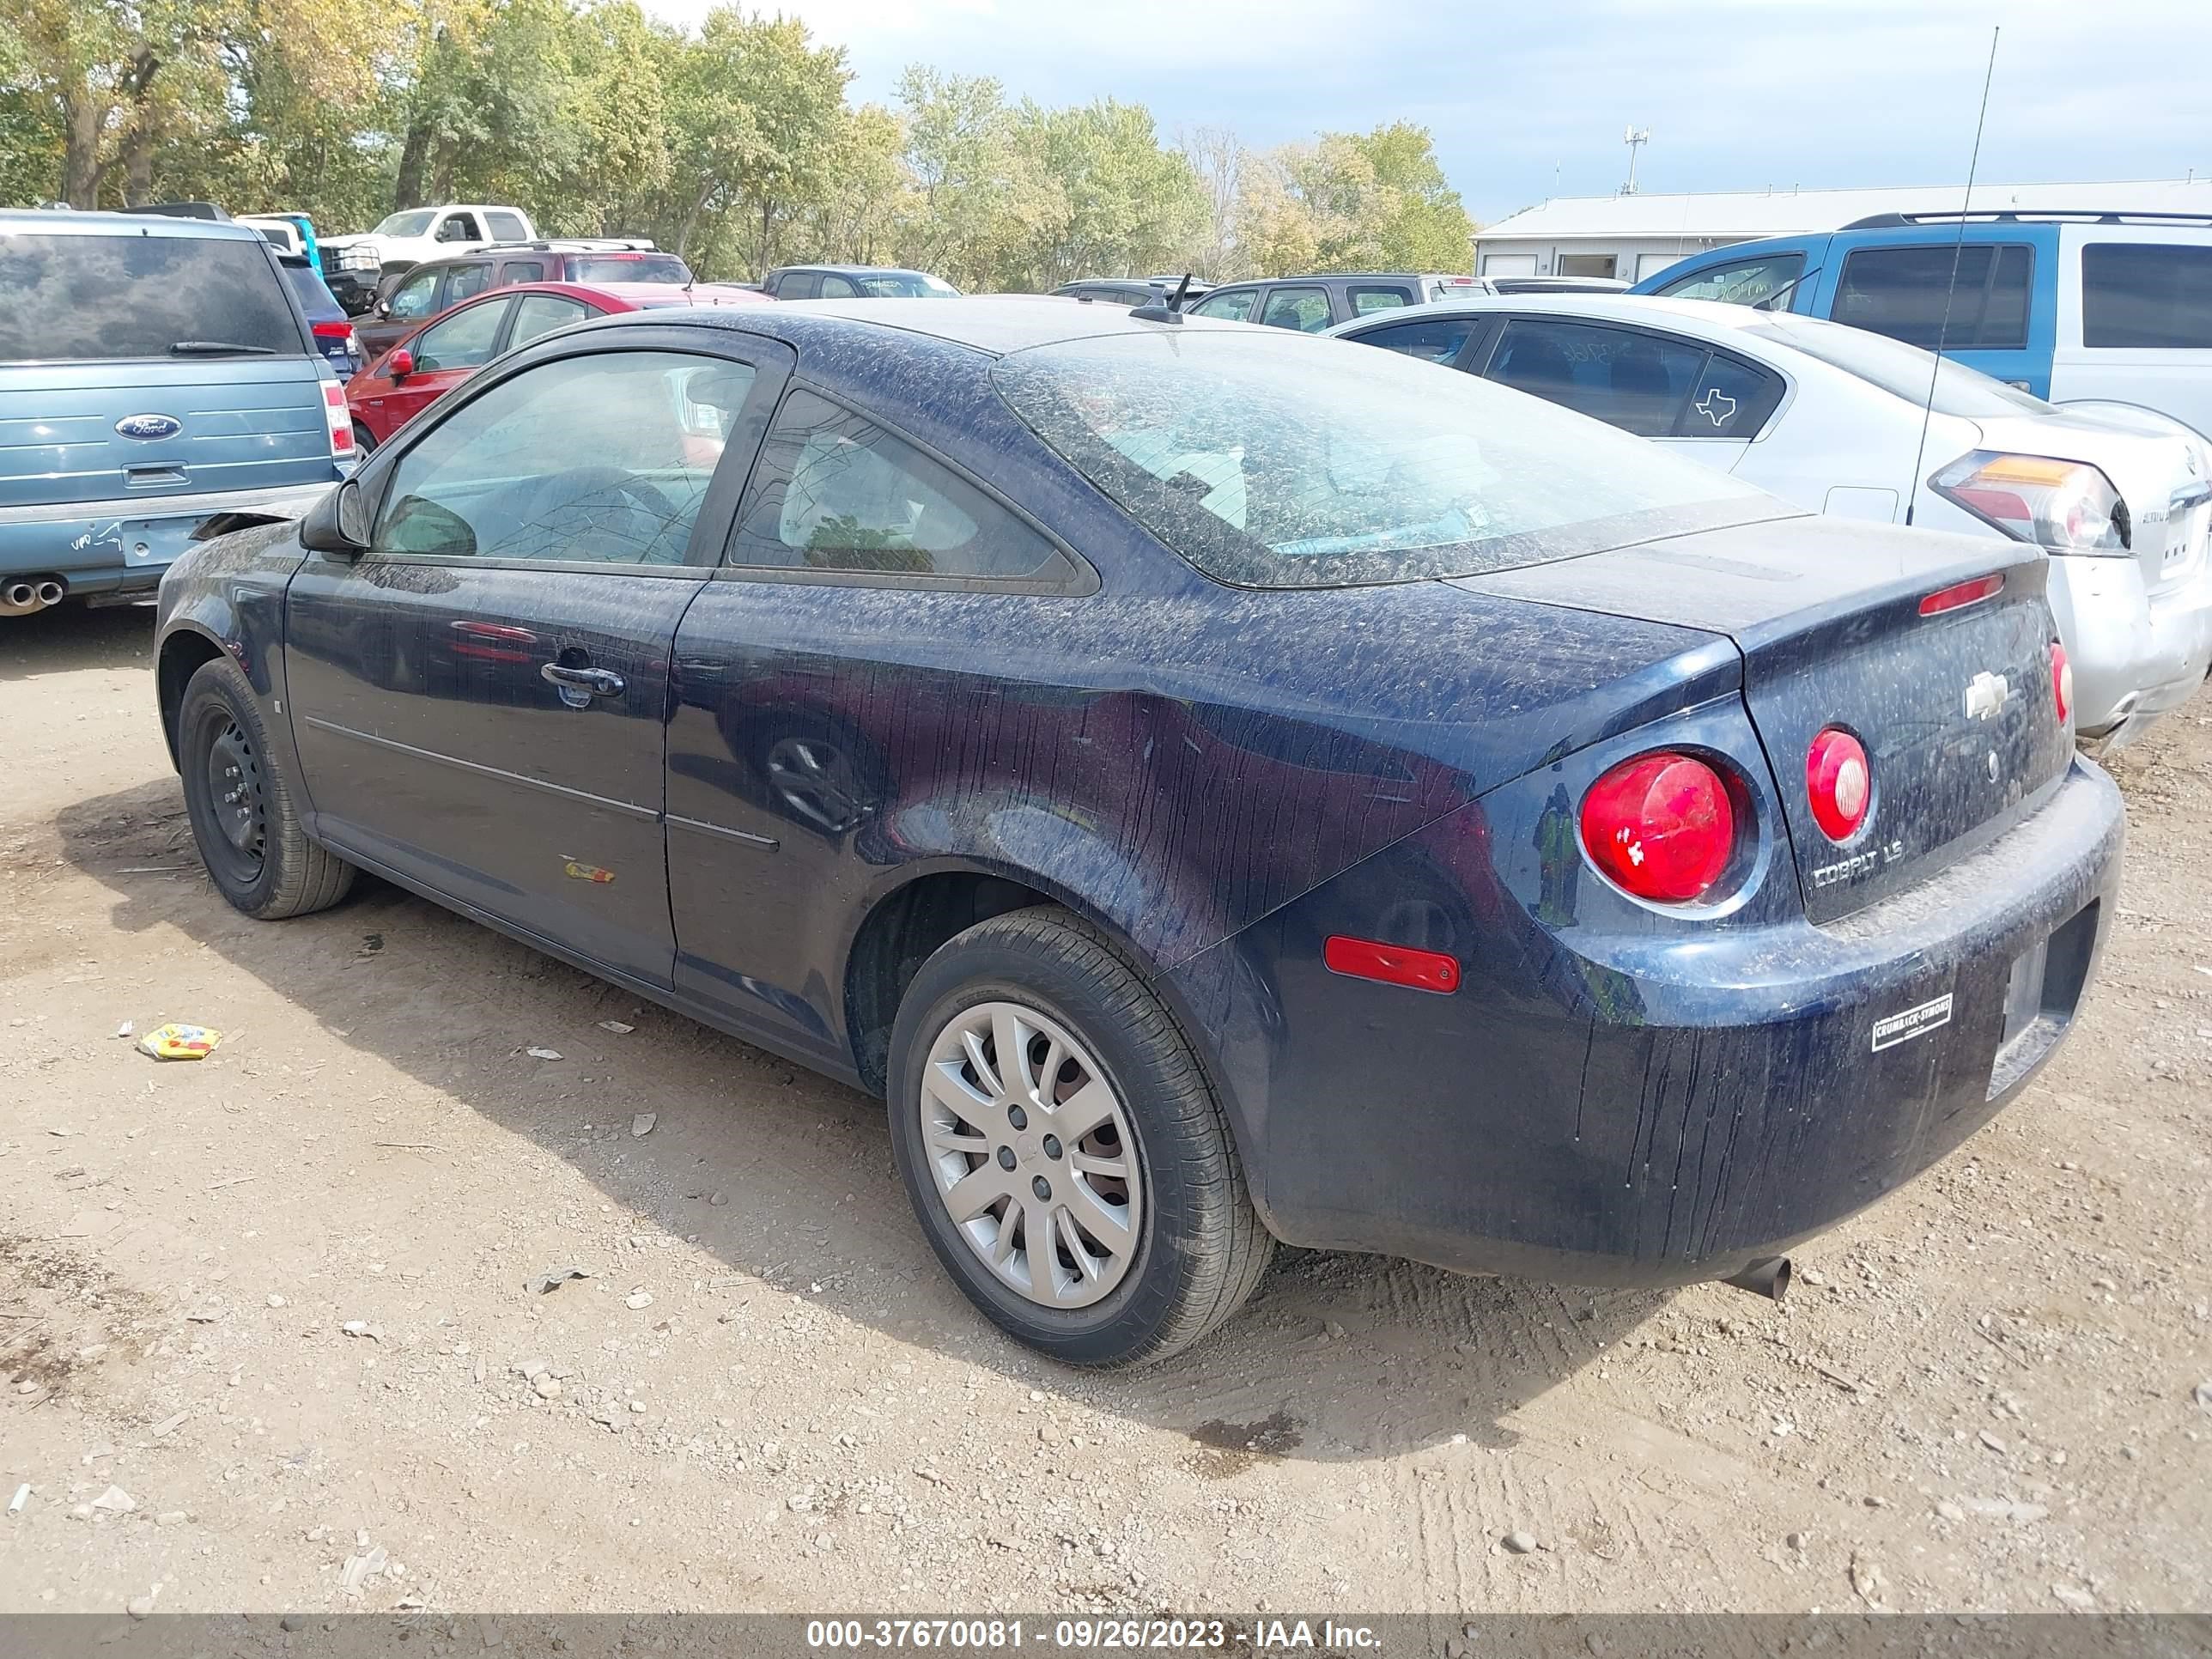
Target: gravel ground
pixel 268 1342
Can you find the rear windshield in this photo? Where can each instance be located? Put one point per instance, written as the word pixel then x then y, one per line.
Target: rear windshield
pixel 1902 370
pixel 631 268
pixel 93 299
pixel 903 285
pixel 1271 460
pixel 308 288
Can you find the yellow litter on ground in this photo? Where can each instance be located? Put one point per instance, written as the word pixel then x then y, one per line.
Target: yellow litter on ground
pixel 181 1042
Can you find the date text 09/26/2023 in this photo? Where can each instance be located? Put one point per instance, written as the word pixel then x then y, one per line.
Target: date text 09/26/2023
pixel 1092 1635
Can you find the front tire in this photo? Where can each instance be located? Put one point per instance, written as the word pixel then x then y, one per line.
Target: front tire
pixel 242 805
pixel 1062 1148
pixel 364 440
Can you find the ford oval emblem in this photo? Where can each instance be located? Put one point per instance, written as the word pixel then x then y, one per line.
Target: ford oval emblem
pixel 149 427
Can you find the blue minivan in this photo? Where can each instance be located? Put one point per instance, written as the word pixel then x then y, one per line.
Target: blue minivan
pixel 155 371
pixel 2088 308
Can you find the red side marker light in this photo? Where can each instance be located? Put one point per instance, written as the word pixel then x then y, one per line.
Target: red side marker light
pixel 2062 682
pixel 1392 964
pixel 1961 595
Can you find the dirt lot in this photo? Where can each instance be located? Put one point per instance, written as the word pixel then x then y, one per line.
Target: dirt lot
pixel 1983 1394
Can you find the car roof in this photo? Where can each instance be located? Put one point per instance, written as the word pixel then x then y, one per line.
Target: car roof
pixel 1348 276
pixel 993 323
pixel 56 222
pixel 853 271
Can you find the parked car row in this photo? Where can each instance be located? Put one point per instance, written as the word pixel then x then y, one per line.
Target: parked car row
pixel 429 359
pixel 1854 425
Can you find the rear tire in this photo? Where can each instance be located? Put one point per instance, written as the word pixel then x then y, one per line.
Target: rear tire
pixel 241 804
pixel 1151 1240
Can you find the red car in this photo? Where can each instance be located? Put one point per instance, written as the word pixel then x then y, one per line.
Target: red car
pixel 430 360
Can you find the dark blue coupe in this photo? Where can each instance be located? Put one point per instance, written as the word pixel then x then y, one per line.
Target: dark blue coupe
pixel 1220 786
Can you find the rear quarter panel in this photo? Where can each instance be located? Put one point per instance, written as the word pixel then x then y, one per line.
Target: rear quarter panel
pixel 226 596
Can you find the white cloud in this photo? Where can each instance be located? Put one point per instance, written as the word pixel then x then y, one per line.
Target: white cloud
pixel 1739 93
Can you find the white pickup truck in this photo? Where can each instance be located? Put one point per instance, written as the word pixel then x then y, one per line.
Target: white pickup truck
pixel 353 265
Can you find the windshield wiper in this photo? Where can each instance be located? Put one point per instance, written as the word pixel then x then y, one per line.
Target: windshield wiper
pixel 218 348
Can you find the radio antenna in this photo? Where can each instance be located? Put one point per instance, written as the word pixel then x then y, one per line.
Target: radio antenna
pixel 1957 253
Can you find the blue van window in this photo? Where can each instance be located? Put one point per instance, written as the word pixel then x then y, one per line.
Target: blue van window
pixel 1902 292
pixel 2151 296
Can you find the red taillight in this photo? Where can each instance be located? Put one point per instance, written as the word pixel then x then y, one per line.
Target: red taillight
pixel 1393 964
pixel 1661 825
pixel 341 418
pixel 337 331
pixel 1960 594
pixel 1839 782
pixel 2062 682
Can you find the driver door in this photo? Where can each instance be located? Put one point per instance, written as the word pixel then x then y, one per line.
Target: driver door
pixel 480 699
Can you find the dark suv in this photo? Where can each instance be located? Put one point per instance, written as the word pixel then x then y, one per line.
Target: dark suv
pixel 1310 304
pixel 438 285
pixel 854 282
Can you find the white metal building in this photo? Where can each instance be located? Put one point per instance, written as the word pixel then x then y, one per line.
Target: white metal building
pixel 1632 237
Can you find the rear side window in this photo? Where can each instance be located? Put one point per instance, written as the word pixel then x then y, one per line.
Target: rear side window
pixel 2146 295
pixel 1437 340
pixel 834 287
pixel 522 270
pixel 1622 376
pixel 102 298
pixel 507 227
pixel 833 491
pixel 1744 283
pixel 1907 294
pixel 541 313
pixel 466 281
pixel 1366 298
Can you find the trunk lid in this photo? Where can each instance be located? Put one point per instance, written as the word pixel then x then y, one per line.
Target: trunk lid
pixel 240 423
pixel 1956 710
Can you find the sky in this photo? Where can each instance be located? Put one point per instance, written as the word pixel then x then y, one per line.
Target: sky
pixel 1531 101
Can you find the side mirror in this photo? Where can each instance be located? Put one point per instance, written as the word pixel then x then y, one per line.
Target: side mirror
pixel 384 309
pixel 337 524
pixel 400 364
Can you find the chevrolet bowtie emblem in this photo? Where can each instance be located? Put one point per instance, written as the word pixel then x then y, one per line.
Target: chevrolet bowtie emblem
pixel 1985 694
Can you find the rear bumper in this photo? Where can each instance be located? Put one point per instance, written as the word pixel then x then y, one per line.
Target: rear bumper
pixel 111 547
pixel 2134 655
pixel 1640 1107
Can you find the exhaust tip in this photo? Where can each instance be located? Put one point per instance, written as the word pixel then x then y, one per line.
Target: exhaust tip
pixel 51 592
pixel 1769 1278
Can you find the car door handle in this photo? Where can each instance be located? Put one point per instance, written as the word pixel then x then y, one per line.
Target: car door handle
pixel 599 682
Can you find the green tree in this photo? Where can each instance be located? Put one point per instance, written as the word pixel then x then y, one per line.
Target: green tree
pixel 981 197
pixel 1376 201
pixel 1130 205
pixel 756 113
